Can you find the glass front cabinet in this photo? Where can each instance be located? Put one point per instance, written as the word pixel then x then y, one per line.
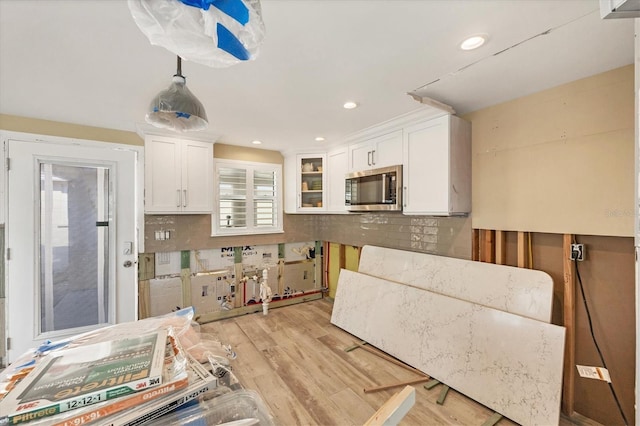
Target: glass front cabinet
pixel 311 182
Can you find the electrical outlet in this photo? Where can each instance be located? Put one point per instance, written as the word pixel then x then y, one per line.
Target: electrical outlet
pixel 577 252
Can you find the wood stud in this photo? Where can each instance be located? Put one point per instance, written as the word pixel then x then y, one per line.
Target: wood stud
pixel 522 249
pixel 488 249
pixel 501 249
pixel 569 316
pixel 475 244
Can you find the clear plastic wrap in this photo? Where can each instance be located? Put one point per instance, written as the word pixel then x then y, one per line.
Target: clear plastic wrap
pixel 241 407
pixel 183 337
pixel 218 36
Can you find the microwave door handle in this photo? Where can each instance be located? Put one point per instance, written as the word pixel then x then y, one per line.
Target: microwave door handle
pixel 384 188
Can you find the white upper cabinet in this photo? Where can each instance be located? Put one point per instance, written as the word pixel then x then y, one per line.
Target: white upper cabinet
pixel 337 168
pixel 437 167
pixel 178 175
pixel 305 183
pixel 377 151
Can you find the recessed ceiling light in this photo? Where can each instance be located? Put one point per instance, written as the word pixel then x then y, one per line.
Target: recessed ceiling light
pixel 473 42
pixel 256 142
pixel 350 105
pixel 319 139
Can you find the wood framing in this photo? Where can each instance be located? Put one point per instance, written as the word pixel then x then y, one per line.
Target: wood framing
pixel 501 249
pixel 488 249
pixel 569 316
pixel 475 244
pixel 522 249
pixel 144 299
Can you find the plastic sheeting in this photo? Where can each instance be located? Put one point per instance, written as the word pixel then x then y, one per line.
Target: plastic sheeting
pixel 216 33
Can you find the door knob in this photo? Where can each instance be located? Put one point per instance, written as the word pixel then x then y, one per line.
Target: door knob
pixel 128 264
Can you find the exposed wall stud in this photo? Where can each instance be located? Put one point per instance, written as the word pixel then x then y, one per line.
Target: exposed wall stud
pixel 522 249
pixel 488 248
pixel 501 249
pixel 475 244
pixel 569 316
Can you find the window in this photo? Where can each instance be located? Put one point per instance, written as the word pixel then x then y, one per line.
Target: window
pixel 248 198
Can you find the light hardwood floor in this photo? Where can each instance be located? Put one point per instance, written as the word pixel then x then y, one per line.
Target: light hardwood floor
pixel 296 359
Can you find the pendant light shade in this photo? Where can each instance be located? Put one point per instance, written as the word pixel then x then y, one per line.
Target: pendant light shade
pixel 176 108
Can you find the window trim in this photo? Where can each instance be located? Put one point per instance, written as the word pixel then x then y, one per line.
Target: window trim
pixel 250 229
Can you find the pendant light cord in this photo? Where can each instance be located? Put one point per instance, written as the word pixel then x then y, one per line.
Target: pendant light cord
pixel 179 67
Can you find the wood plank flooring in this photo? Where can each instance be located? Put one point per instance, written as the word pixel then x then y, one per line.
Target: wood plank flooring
pixel 295 359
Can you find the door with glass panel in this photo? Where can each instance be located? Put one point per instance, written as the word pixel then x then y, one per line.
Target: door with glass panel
pixel 71 239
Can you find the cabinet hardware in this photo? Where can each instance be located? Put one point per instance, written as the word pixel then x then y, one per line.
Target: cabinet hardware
pixel 184 201
pixel 179 201
pixel 373 157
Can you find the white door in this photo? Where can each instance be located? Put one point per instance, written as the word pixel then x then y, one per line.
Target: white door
pixel 71 239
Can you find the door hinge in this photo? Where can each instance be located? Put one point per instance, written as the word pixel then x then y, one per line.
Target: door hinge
pixel 8 254
pixel 8 343
pixel 8 163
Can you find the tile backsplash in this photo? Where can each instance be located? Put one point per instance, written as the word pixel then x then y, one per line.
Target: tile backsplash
pixel 447 236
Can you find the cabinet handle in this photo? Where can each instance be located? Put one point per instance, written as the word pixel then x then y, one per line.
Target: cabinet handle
pixel 373 157
pixel 185 198
pixel 299 200
pixel 369 158
pixel 178 198
pixel 404 195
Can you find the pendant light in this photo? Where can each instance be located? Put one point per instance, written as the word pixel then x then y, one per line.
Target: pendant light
pixel 176 108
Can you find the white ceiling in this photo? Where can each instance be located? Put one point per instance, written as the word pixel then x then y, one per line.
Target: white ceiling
pixel 86 62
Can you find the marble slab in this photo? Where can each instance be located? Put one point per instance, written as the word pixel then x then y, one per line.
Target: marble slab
pixel 507 362
pixel 525 292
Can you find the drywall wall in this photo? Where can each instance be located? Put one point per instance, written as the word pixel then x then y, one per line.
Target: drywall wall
pixel 69 130
pixel 559 161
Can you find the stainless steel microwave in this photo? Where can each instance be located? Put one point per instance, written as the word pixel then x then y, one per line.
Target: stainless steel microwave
pixel 375 189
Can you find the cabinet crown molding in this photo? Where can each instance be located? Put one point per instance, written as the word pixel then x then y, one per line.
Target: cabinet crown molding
pixel 421 114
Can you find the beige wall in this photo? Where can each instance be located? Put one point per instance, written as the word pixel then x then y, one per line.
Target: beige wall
pixel 45 127
pixel 559 161
pixel 233 152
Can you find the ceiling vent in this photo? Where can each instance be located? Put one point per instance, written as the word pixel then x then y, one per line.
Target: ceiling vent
pixel 611 9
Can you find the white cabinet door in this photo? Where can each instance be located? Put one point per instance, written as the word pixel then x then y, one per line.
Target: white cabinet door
pixel 311 182
pixel 437 167
pixel 197 177
pixel 178 175
pixel 387 150
pixel 337 168
pixel 305 183
pixel 162 175
pixel 426 167
pixel 360 156
pixel 379 151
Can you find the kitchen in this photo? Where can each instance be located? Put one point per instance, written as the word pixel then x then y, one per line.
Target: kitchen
pixel 509 191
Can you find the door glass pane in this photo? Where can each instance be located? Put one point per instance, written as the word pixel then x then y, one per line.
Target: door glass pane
pixel 74 246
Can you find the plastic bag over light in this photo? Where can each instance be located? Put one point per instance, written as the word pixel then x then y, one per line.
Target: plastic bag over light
pixel 216 33
pixel 176 108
